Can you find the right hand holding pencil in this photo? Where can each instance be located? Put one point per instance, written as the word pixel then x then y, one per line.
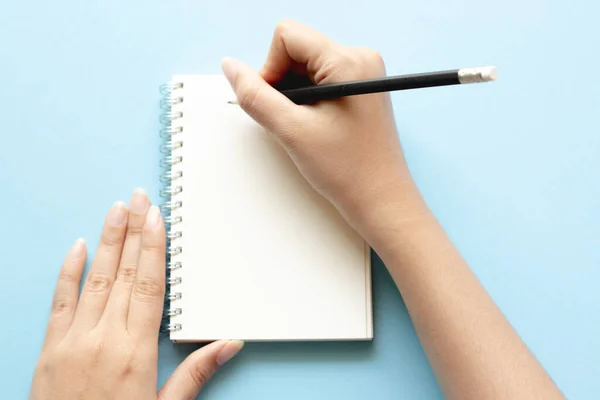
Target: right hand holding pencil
pixel 347 149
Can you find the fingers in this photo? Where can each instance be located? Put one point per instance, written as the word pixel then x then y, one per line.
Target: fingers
pixel 101 276
pixel 64 302
pixel 117 307
pixel 260 100
pixel 147 296
pixel 293 43
pixel 197 369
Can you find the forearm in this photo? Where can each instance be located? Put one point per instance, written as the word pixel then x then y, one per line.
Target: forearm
pixel 472 348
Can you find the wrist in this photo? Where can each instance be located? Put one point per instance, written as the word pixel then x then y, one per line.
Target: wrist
pixel 395 206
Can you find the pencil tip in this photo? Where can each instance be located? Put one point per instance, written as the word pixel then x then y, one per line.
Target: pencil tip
pixel 232 102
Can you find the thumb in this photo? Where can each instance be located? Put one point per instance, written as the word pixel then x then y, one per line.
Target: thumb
pixel 257 98
pixel 197 369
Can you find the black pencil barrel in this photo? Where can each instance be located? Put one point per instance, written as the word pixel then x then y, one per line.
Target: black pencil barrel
pixel 336 90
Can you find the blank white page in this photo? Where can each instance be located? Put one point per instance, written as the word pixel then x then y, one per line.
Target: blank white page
pixel 264 257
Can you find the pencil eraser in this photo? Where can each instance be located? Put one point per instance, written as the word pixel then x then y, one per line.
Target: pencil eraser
pixel 489 74
pixel 477 75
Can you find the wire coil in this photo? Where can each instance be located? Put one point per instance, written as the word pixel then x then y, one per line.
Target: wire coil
pixel 170 178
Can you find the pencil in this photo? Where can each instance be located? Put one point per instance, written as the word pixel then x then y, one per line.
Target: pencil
pixel 314 93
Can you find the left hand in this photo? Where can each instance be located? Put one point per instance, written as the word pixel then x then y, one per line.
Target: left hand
pixel 104 343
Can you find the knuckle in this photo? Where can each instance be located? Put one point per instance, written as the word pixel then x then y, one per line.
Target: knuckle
pixel 153 233
pixel 127 354
pixel 154 246
pixel 374 61
pixel 362 62
pixel 370 55
pixel 127 370
pixel 248 97
pixel 283 26
pixel 111 238
pixel 148 288
pixel 49 364
pixel 346 58
pixel 127 273
pixel 98 282
pixel 44 366
pixel 293 133
pixel 340 66
pixel 61 355
pixel 97 350
pixel 135 230
pixel 85 351
pixel 61 305
pixel 91 352
pixel 68 278
pixel 289 139
pixel 200 375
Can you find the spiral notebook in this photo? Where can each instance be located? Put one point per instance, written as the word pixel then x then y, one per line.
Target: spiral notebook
pixel 254 253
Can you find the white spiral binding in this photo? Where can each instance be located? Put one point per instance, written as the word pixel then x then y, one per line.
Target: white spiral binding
pixel 170 132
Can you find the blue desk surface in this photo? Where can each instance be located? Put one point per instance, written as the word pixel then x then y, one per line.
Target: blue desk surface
pixel 510 168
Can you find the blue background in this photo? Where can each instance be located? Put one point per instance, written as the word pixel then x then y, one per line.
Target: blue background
pixel 510 168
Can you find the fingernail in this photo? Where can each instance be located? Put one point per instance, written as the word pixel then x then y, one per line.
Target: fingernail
pixel 229 351
pixel 153 217
pixel 116 215
pixel 139 202
pixel 78 248
pixel 230 69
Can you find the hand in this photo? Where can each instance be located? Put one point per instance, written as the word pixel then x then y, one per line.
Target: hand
pixel 347 149
pixel 104 345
